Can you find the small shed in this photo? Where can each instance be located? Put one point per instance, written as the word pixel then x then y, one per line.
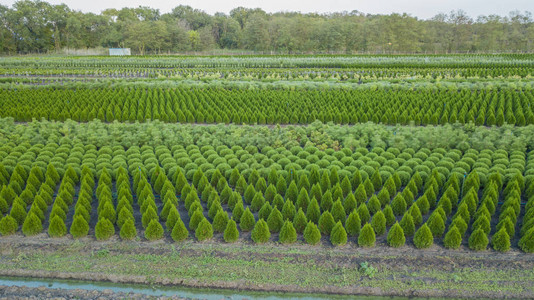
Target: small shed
pixel 119 51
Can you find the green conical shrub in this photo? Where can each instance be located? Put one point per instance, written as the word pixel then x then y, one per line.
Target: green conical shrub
pixel 79 227
pixel 367 236
pixel 460 224
pixel 57 227
pixel 338 212
pixel 300 221
pixel 238 211
pixel 326 223
pixel 407 224
pixel 350 203
pixel 148 216
pixel 204 230
pixel 104 229
pixel 220 221
pixel 363 212
pixel 257 202
pixel 288 210
pixel 326 201
pixel 18 212
pixel 396 236
pixel 483 223
pixel 379 223
pixel 423 237
pixel 416 214
pixel 265 211
pixel 388 214
pixel 526 243
pixel 353 224
pixel 172 218
pixel 501 240
pixel 231 234
pixel 312 235
pixel 436 224
pixel 453 238
pixel 478 240
pixel 128 231
pixel 195 219
pixel 313 213
pixel 275 220
pixel 288 234
pixel 303 200
pixel 32 225
pixel 154 230
pixel 261 234
pixel 374 205
pixel 398 205
pixel 8 225
pixel 338 236
pixel 247 221
pixel 179 232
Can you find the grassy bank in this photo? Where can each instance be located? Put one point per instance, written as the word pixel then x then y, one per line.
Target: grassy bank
pixel 271 267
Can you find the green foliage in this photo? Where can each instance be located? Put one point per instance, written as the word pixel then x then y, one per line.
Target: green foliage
pixel 8 225
pixel 247 221
pixel 367 236
pixel 478 240
pixel 353 224
pixel 436 224
pixel 154 230
pixel 501 240
pixel 288 234
pixel 79 227
pixel 204 231
pixel 103 230
pixel 260 234
pixel 423 237
pixel 379 223
pixel 338 236
pixel 128 231
pixel 388 214
pixel 363 213
pixel 195 219
pixel 18 212
pixel 526 243
pixel 288 210
pixel 453 238
pixel 399 205
pixel 338 212
pixel 220 221
pixel 312 235
pixel 326 223
pixel 179 232
pixel 395 236
pixel 57 227
pixel 300 221
pixel 313 212
pixel 231 234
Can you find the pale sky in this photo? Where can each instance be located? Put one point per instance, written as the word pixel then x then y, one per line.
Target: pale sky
pixel 420 8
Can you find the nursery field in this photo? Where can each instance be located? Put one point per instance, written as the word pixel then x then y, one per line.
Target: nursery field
pixel 403 153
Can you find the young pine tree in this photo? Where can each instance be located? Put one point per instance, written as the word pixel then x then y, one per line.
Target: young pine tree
pixel 104 229
pixel 79 227
pixel 261 234
pixel 312 235
pixel 57 227
pixel 154 230
pixel 179 232
pixel 231 234
pixel 423 237
pixel 453 238
pixel 367 236
pixel 204 230
pixel 338 236
pixel 288 234
pixel 396 236
pixel 128 231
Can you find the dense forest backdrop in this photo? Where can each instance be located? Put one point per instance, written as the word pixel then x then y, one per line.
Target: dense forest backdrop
pixel 31 26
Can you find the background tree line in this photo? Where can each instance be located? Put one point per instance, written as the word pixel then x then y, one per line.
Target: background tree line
pixel 37 26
